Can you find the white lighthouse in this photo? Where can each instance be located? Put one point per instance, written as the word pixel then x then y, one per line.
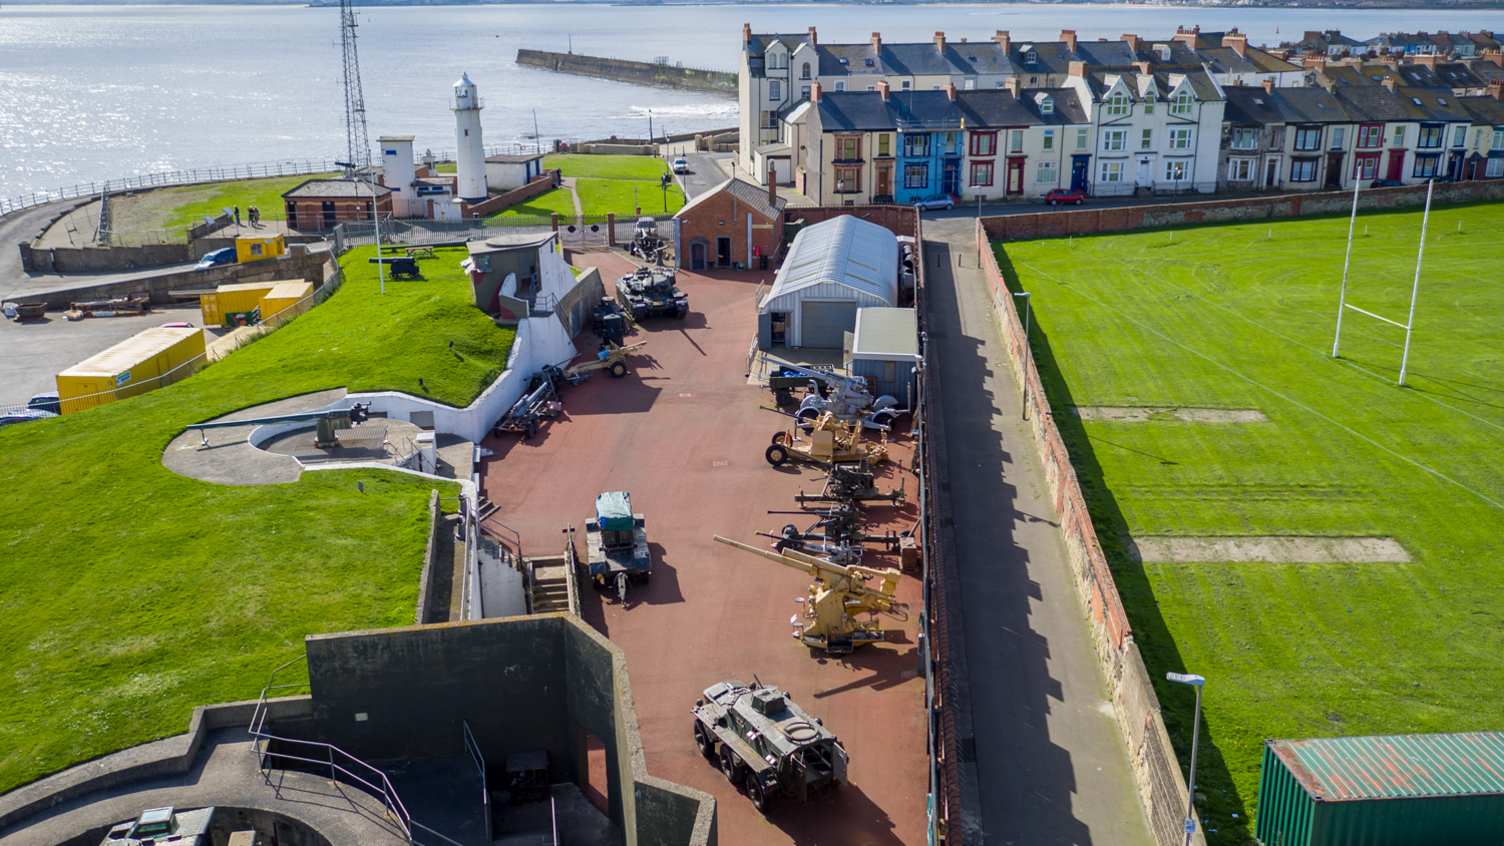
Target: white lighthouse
pixel 471 155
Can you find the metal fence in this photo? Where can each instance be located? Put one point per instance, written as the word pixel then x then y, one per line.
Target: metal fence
pixel 193 176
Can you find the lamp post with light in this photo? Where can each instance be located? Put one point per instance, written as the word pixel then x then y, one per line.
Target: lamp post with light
pixel 1197 682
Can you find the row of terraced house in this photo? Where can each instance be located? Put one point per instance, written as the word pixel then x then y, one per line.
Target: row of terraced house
pixel 1200 113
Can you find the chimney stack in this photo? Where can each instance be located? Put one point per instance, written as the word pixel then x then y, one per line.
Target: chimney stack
pixel 1013 84
pixel 1187 36
pixel 1237 43
pixel 1495 56
pixel 1317 62
pixel 773 185
pixel 877 43
pixel 814 40
pixel 1496 90
pixel 1427 59
pixel 1077 69
pixel 746 33
pixel 814 91
pixel 1131 41
pixel 950 91
pixel 1144 68
pixel 883 89
pixel 1004 42
pixel 940 41
pixel 1268 86
pixel 1388 83
pixel 1069 37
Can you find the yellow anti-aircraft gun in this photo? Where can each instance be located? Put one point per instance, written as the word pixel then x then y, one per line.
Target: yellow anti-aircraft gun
pixel 828 442
pixel 839 594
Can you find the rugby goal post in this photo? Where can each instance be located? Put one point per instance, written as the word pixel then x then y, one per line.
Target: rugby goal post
pixel 1343 304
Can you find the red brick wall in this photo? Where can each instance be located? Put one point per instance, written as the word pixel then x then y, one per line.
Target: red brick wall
pixel 901 220
pixel 310 211
pixel 723 216
pixel 1087 221
pixel 540 183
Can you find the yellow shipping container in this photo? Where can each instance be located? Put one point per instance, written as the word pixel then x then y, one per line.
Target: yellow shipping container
pixel 258 247
pixel 286 301
pixel 146 362
pixel 231 305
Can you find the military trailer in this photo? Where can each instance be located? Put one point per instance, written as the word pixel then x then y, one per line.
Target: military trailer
pixel 760 737
pixel 609 323
pixel 617 541
pixel 650 292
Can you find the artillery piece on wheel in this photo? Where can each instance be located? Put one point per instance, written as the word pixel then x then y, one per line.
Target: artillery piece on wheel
pixel 761 738
pixel 845 397
pixel 840 592
pixel 827 444
pixel 651 292
pixel 835 530
pixel 851 483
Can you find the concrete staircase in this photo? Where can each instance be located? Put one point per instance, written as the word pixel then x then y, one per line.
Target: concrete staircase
pixel 550 588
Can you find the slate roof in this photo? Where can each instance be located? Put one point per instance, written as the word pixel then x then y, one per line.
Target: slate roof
pixel 1371 103
pixel 1485 111
pixel 1227 60
pixel 1458 75
pixel 1162 82
pixel 1284 105
pixel 754 197
pixel 865 111
pixel 320 188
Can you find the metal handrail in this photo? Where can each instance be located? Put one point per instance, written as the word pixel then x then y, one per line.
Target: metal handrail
pixel 571 564
pixel 516 536
pixel 261 745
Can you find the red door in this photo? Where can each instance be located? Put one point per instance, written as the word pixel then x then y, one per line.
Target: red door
pixel 1396 164
pixel 1015 176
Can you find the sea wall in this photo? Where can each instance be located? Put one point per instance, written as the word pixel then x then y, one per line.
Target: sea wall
pixel 641 73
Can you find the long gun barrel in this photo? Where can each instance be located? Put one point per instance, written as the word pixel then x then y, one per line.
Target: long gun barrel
pixel 823 569
pixel 356 414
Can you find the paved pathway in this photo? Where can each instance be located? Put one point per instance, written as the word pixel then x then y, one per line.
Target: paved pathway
pixel 1050 762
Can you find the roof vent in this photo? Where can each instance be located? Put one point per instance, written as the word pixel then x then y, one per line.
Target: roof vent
pixel 869 63
pixel 844 60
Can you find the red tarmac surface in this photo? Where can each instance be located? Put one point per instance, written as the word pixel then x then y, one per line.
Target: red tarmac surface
pixel 683 434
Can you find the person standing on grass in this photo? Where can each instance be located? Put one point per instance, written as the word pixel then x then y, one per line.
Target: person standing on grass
pixel 237 215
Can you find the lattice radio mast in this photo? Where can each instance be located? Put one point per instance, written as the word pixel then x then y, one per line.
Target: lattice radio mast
pixel 358 154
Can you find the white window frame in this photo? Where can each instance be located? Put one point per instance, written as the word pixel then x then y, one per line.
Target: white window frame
pixel 1111 172
pixel 1049 139
pixel 1339 134
pixel 1498 140
pixel 1495 168
pixel 1015 140
pixel 1114 140
pixel 1182 102
pixel 1244 138
pixel 1241 170
pixel 906 85
pixel 1179 138
pixel 1459 137
pixel 1048 173
pixel 1081 144
pixel 1177 170
pixel 1146 140
pixel 1116 105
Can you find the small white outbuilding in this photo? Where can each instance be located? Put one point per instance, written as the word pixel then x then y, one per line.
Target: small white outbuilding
pixel 832 269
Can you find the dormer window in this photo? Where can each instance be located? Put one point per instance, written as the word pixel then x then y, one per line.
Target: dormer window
pixel 1117 104
pixel 1047 105
pixel 1164 52
pixel 1181 105
pixel 1030 57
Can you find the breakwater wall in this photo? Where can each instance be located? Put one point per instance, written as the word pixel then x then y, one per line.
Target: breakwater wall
pixel 623 70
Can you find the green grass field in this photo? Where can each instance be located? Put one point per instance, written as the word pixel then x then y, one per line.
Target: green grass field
pixel 621 196
pixel 176 209
pixel 1242 317
pixel 607 167
pixel 131 594
pixel 558 201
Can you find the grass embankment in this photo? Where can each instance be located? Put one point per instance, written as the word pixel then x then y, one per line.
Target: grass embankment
pixel 618 184
pixel 1230 317
pixel 176 209
pixel 131 594
pixel 558 201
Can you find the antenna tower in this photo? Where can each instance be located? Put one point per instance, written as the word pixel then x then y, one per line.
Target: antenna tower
pixel 358 155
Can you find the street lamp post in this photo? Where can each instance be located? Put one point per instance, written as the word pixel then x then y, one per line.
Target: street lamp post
pixel 1197 682
pixel 1028 349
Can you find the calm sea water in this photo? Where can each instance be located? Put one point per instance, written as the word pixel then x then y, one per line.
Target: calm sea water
pixel 89 93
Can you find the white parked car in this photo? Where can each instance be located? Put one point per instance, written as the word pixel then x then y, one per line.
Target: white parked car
pixel 681 165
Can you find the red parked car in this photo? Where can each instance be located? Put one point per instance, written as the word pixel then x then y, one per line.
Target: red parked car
pixel 1065 195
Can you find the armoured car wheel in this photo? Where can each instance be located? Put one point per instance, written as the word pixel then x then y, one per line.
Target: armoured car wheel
pixel 777 455
pixel 883 418
pixel 781 438
pixel 618 370
pixel 762 797
pixel 703 741
pixel 783 396
pixel 732 767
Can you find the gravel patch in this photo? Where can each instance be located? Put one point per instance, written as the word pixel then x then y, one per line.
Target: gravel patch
pixel 1269 550
pixel 1171 414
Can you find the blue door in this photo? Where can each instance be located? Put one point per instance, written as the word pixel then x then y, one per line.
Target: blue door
pixel 1078 172
pixel 950 177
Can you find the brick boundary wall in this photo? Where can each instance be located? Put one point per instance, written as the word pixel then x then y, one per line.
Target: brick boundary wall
pixel 1054 224
pixel 901 220
pixel 540 183
pixel 1156 770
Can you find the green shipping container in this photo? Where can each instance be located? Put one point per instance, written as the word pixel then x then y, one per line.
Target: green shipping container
pixel 1404 790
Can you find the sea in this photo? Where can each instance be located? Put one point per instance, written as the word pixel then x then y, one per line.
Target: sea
pixel 89 93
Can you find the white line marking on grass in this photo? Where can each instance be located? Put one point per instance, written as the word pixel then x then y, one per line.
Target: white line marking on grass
pixel 1269 550
pixel 1322 353
pixel 1209 360
pixel 1182 414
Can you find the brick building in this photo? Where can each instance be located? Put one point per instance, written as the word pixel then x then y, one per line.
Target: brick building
pixel 735 222
pixel 322 204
